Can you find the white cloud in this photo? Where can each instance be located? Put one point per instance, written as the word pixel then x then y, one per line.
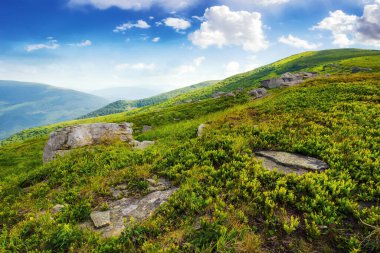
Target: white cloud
pixel 253 2
pixel 351 29
pixel 135 4
pixel 177 23
pixel 136 66
pixel 232 68
pixel 85 43
pixel 189 68
pixel 126 26
pixel 223 27
pixel 50 44
pixel 292 41
pixel 156 39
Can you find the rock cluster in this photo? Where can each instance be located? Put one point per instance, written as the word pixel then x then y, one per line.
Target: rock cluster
pixel 258 93
pixel 287 79
pixel 71 137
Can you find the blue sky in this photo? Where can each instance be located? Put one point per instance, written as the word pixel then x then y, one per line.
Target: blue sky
pixel 158 44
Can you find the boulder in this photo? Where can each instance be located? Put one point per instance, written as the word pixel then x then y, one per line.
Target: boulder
pixel 288 162
pixel 101 219
pixel 258 93
pixel 201 129
pixel 71 137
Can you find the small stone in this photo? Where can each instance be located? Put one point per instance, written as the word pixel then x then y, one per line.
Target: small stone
pixel 101 219
pixel 201 129
pixel 152 181
pixel 57 208
pixel 142 145
pixel 218 94
pixel 146 128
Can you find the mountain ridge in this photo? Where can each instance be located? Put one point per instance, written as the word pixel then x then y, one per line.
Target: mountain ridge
pixel 28 104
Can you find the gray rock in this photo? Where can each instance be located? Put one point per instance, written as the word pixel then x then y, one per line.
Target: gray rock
pixel 101 219
pixel 57 208
pixel 72 137
pixel 140 145
pixel 258 93
pixel 218 94
pixel 287 79
pixel 201 129
pixel 146 128
pixel 360 69
pixel 158 185
pixel 122 211
pixel 288 162
pixel 230 94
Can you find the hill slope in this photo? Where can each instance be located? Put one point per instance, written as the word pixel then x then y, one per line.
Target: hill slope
pixel 125 105
pixel 25 105
pixel 227 201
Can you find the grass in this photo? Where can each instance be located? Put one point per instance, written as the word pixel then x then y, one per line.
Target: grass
pixel 226 202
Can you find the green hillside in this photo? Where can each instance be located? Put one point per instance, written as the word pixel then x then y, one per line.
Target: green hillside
pixel 125 105
pixel 227 201
pixel 24 105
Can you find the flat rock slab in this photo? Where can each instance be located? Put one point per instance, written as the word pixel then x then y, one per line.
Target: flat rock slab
pixel 290 163
pixel 101 219
pixel 121 211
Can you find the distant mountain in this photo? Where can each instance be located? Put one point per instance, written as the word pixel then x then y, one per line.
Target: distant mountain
pixel 124 93
pixel 124 105
pixel 24 105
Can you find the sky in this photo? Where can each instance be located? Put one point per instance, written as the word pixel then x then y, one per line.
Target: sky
pixel 167 44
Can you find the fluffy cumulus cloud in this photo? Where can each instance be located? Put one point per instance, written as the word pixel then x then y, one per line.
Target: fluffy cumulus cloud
pixel 170 5
pixel 293 41
pixel 50 44
pixel 177 23
pixel 223 27
pixel 135 66
pixel 126 26
pixel 351 29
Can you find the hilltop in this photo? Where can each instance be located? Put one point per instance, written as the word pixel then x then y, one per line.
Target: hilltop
pixel 223 197
pixel 125 105
pixel 24 105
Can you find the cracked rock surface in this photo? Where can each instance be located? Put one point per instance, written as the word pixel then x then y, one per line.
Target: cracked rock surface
pixel 290 163
pixel 121 211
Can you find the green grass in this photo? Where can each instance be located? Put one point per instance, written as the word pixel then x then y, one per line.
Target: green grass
pixel 227 202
